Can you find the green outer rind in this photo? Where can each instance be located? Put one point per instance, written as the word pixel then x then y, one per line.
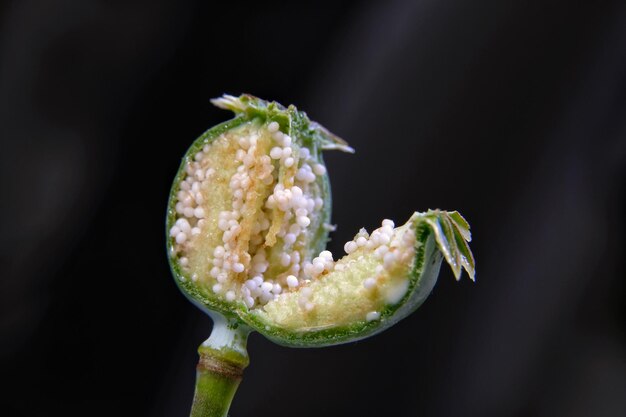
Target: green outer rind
pixel 439 235
pixel 422 279
pixel 299 127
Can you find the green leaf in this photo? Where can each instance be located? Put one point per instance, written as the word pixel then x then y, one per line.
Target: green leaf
pixel 461 224
pixel 452 234
pixel 432 218
pixel 467 258
pixel 455 255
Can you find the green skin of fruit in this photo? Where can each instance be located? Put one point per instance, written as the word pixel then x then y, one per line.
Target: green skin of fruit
pixel 439 235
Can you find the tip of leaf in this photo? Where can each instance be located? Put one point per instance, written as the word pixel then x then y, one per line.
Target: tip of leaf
pixel 452 234
pixel 229 102
pixel 333 147
pixel 472 274
pixel 330 141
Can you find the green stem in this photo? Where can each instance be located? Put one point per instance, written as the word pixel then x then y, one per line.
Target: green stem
pixel 223 357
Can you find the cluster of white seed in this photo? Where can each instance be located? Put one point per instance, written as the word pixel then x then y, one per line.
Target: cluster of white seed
pixel 189 200
pixel 294 201
pixel 292 172
pixel 227 262
pixel 390 246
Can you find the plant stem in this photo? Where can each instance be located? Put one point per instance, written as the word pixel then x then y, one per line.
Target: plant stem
pixel 223 357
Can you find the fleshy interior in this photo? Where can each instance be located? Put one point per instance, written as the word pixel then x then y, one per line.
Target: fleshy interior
pixel 247 211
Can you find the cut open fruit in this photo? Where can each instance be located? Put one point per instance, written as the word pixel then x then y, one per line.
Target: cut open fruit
pixel 247 225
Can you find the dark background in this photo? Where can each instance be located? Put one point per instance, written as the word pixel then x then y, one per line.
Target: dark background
pixel 512 112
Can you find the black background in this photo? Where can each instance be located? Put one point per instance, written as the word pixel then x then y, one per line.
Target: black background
pixel 512 112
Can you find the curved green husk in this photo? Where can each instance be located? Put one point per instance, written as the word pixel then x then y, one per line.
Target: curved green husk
pixel 250 109
pixel 431 248
pixel 439 235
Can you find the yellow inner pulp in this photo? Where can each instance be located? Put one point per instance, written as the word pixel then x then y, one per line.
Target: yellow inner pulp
pixel 340 298
pixel 336 296
pixel 218 197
